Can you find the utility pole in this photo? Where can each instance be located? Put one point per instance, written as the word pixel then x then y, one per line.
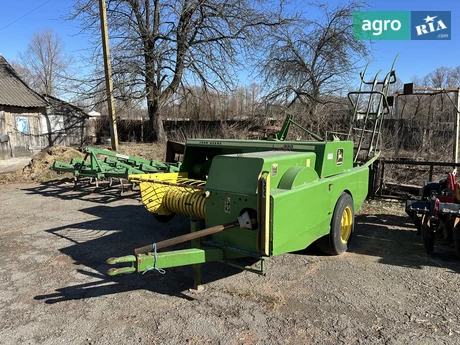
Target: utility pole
pixel 108 75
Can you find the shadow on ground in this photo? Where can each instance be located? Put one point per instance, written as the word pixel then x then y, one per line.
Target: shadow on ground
pixel 394 239
pixel 116 232
pixel 65 190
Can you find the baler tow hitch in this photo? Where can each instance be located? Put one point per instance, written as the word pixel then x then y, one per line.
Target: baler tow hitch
pixel 146 258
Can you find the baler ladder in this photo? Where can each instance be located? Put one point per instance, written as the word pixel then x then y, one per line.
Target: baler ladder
pixel 369 108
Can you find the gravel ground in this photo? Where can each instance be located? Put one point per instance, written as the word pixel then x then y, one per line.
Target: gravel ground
pixel 53 289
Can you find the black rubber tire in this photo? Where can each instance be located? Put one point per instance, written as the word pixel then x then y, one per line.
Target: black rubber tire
pixel 427 235
pixel 163 218
pixel 332 243
pixel 456 237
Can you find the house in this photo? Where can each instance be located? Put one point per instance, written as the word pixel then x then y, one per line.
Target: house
pixel 65 124
pixel 30 122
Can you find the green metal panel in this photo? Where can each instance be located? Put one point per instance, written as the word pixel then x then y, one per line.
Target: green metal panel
pixel 253 145
pixel 239 173
pixel 233 183
pixel 223 207
pixel 331 157
pixel 337 158
pixel 235 173
pixel 297 176
pixel 303 214
pixel 199 151
pixel 299 216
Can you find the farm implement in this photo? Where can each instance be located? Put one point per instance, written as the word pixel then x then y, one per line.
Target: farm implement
pixel 257 199
pixel 100 164
pixel 437 214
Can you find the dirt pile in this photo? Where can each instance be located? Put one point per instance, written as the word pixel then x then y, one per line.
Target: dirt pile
pixel 39 168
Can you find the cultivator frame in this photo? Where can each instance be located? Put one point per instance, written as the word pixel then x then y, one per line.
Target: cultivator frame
pixel 113 165
pixel 436 214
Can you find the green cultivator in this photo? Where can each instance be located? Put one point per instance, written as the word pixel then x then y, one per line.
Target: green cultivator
pixel 257 199
pixel 103 164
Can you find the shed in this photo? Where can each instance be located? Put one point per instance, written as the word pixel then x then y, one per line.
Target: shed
pixel 30 122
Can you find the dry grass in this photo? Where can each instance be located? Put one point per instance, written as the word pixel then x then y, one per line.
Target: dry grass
pixel 151 151
pixel 391 207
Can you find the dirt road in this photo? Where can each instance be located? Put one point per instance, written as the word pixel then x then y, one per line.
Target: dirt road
pixel 13 164
pixel 53 290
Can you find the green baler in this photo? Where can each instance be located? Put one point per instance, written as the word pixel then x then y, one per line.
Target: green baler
pixel 294 193
pixel 254 198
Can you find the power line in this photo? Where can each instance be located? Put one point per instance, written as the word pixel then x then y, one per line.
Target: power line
pixel 14 21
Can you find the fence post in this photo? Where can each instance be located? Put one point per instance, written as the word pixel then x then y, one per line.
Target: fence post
pixel 381 178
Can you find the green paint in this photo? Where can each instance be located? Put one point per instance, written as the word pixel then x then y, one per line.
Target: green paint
pixel 112 165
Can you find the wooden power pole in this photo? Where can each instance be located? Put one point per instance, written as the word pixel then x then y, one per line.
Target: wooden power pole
pixel 108 75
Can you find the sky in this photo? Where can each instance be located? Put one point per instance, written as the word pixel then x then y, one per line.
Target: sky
pixel 416 58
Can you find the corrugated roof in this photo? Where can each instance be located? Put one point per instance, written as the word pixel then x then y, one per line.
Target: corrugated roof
pixel 13 91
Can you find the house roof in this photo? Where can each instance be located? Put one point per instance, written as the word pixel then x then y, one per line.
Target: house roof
pixel 14 92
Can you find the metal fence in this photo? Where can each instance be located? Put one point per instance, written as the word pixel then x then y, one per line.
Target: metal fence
pixel 403 179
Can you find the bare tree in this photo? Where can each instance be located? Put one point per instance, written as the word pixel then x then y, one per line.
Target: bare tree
pixel 313 56
pixel 443 77
pixel 44 65
pixel 160 44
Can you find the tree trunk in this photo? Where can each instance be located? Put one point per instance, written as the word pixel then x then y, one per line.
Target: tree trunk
pixel 156 122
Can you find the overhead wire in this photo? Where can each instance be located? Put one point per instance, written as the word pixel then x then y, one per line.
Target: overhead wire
pixel 16 20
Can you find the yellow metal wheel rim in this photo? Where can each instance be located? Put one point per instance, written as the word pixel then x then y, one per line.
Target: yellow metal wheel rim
pixel 346 224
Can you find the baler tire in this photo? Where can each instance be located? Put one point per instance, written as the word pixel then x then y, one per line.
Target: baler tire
pixel 456 237
pixel 342 227
pixel 427 235
pixel 161 218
